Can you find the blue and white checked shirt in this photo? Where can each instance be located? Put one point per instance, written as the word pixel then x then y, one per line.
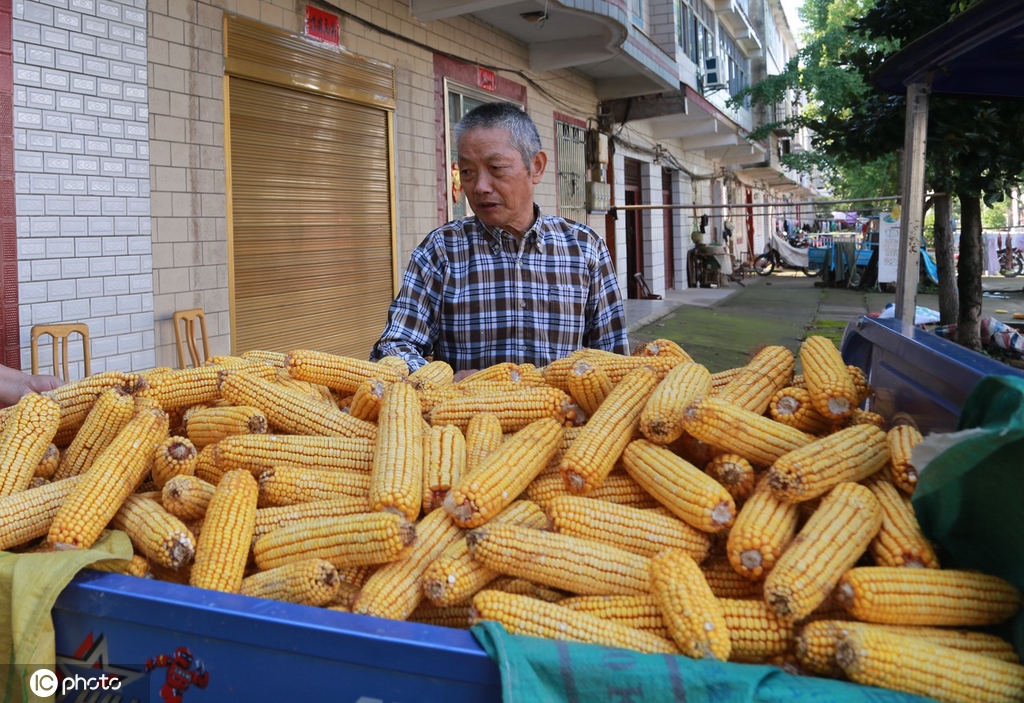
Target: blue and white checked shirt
pixel 473 296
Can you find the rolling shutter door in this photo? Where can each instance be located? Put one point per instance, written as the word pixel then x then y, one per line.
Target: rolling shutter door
pixel 310 192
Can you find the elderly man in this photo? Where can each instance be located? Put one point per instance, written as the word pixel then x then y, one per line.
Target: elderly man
pixel 508 283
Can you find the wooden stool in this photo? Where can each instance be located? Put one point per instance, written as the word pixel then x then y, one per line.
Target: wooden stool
pixel 185 335
pixel 60 334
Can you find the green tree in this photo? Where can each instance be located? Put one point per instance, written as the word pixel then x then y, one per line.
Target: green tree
pixel 852 122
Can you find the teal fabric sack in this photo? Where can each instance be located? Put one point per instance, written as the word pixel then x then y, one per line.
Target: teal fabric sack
pixel 535 669
pixel 969 499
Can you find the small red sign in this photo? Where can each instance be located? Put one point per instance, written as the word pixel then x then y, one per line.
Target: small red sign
pixel 486 79
pixel 322 26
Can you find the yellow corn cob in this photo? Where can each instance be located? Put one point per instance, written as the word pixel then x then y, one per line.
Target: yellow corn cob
pixel 37 481
pixel 866 417
pixel 688 492
pixel 341 373
pixel 115 474
pixel 643 532
pixel 483 436
pixel 367 399
pixel 816 642
pixel 900 541
pixel 692 613
pixel 48 464
pixel 27 514
pixel 575 564
pixel 755 632
pixel 763 529
pixel 638 612
pixel 258 452
pixel 180 388
pixel 226 537
pixel 77 397
pixel 514 408
pixel 270 518
pixel 522 615
pixel 831 541
pixel 357 575
pixel 290 411
pixel 851 454
pixel 860 382
pixel 948 675
pixel 455 616
pixel 454 576
pixel 396 481
pixel 444 454
pixel 395 362
pixel 504 372
pixel 829 383
pixel 734 473
pixel 902 440
pixel 396 588
pixel 522 587
pixel 349 540
pixel 288 485
pixel 726 583
pixel 209 425
pixel 154 532
pixel 432 374
pixel 589 385
pixel 137 566
pixel 616 366
pixel 273 358
pixel 308 582
pixel 758 439
pixel 618 487
pixel 505 474
pixel 176 456
pixel 662 348
pixel 948 597
pixel 770 370
pixel 187 497
pixel 721 379
pixel 24 440
pixel 661 418
pixel 591 457
pixel 321 394
pixel 792 406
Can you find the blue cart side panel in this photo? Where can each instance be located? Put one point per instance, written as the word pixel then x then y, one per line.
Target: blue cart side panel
pixel 226 647
pixel 916 372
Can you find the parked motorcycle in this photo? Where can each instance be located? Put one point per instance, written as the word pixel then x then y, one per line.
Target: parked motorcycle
pixel 780 254
pixel 1018 263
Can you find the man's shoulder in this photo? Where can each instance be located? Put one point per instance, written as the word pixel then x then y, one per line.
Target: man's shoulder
pixel 569 230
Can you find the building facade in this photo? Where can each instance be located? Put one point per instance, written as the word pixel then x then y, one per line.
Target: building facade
pixel 274 162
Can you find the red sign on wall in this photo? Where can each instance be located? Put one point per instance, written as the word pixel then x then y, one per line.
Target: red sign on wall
pixel 322 26
pixel 486 79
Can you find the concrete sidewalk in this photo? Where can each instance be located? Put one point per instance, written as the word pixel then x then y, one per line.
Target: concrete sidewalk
pixel 722 327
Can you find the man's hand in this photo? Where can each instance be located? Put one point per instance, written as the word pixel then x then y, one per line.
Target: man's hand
pixel 40 383
pixel 459 375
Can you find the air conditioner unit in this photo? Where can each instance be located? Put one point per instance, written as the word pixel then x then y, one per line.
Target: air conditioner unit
pixel 713 72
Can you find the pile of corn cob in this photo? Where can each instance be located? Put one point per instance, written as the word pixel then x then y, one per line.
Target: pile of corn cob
pixel 639 501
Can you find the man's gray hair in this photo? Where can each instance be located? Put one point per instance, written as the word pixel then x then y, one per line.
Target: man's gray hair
pixel 513 119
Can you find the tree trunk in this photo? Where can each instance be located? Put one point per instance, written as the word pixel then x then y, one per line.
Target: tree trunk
pixel 969 270
pixel 944 248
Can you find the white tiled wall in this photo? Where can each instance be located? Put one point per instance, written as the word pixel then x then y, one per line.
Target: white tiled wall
pixel 81 135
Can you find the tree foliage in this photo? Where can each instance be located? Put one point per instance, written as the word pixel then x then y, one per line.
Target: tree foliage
pixel 856 129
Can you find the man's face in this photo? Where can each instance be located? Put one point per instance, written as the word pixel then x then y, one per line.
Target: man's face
pixel 497 184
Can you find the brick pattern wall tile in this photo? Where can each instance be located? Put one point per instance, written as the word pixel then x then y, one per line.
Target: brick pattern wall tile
pixel 81 159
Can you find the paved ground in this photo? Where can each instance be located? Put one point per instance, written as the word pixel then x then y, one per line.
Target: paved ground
pixel 722 327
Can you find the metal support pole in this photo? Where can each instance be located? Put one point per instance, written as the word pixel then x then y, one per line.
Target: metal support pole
pixel 912 215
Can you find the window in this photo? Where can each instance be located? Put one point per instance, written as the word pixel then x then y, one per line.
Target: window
pixel 571 166
pixel 460 101
pixel 738 65
pixel 636 8
pixel 693 32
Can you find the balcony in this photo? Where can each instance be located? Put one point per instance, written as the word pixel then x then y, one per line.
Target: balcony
pixel 734 15
pixel 595 37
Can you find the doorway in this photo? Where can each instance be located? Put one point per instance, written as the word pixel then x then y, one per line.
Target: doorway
pixel 634 229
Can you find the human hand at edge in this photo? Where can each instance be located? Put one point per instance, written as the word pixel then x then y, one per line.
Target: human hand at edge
pixel 459 375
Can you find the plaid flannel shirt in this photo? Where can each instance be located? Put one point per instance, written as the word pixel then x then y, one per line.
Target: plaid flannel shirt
pixel 473 296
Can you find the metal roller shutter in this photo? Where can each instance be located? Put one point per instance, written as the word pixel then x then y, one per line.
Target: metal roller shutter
pixel 311 218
